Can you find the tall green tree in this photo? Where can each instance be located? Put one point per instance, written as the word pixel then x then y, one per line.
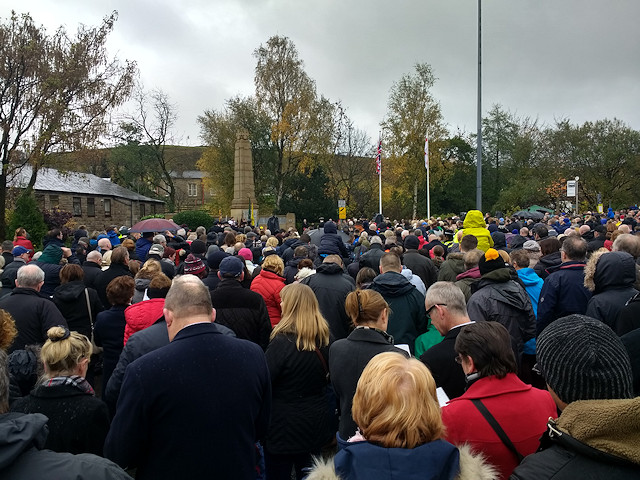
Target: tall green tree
pixel 605 155
pixel 287 95
pixel 56 92
pixel 412 112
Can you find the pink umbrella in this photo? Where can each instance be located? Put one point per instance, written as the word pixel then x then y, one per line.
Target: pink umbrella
pixel 154 225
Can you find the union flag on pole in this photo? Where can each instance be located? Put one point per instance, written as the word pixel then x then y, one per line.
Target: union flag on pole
pixel 426 151
pixel 379 157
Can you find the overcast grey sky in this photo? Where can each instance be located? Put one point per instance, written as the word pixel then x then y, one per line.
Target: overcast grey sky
pixel 550 59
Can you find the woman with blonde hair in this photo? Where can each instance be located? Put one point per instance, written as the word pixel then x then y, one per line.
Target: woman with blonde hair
pixel 78 421
pixel 268 283
pixel 150 269
pixel 297 358
pixel 401 431
pixel 20 239
pixel 369 313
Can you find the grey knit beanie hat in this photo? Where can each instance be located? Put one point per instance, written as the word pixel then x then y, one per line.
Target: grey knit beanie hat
pixel 581 358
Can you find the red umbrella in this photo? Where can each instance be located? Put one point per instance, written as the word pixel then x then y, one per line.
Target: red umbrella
pixel 154 225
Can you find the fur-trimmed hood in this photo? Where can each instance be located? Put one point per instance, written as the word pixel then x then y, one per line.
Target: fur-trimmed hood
pixel 607 270
pixel 472 467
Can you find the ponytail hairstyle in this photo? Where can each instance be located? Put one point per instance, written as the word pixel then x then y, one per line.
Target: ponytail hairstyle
pixel 364 306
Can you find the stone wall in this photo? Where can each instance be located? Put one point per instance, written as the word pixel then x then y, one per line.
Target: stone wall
pixel 122 210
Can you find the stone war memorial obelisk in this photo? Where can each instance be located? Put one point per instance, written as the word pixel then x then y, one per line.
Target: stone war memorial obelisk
pixel 244 191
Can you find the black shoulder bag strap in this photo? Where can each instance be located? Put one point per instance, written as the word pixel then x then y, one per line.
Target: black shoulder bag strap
pixel 324 363
pixel 497 428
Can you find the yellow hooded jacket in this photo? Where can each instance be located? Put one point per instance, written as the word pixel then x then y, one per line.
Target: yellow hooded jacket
pixel 475 225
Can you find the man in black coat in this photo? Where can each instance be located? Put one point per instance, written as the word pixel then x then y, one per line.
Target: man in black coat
pixel 447 308
pixel 238 308
pixel 371 258
pixel 7 248
pixel 331 287
pixel 92 268
pixel 204 399
pixel 33 313
pixel 10 273
pixel 419 264
pixel 119 267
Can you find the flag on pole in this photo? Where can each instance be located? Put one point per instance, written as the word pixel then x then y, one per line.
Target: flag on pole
pixel 426 151
pixel 379 157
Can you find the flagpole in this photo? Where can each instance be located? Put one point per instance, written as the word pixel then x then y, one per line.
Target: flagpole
pixel 426 164
pixel 379 167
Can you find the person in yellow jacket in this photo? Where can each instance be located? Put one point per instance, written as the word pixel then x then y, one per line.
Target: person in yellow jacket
pixel 475 225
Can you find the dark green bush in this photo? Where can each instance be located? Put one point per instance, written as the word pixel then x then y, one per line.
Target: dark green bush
pixel 193 219
pixel 26 214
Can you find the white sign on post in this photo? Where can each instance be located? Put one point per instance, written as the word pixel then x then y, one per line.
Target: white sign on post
pixel 571 188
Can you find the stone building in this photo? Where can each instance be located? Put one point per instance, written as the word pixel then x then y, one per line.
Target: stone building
pixel 94 201
pixel 191 190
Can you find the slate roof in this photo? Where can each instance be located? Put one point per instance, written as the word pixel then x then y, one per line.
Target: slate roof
pixel 188 174
pixel 52 180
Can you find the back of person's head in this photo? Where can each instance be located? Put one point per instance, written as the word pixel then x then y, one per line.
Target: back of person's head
pixel 449 295
pixel 305 263
pixel 95 256
pixel 273 263
pixel 301 317
pixel 7 246
pixel 541 230
pixel 4 382
pixel 63 351
pixel 150 269
pixel 305 238
pixel 188 297
pixel 468 242
pixel 575 248
pixel 582 358
pixel 365 275
pixel 71 273
pixel 395 403
pixel 472 257
pixel 626 242
pixel 301 252
pixel 375 240
pixel 119 255
pixel 8 330
pixel 489 345
pixel 438 251
pixel 333 259
pixel 272 242
pixel 364 306
pixel 30 276
pixel 520 258
pixel 129 244
pixel 390 262
pixel 120 290
pixel 159 286
pixel 549 245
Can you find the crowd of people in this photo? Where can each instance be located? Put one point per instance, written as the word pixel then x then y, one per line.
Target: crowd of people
pixel 472 347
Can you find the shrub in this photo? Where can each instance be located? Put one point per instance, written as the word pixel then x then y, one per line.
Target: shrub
pixel 193 219
pixel 26 214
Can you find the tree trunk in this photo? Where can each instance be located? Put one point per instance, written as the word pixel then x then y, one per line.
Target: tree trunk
pixel 3 205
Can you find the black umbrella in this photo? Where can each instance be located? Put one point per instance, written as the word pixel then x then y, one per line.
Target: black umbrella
pixel 528 214
pixel 317 233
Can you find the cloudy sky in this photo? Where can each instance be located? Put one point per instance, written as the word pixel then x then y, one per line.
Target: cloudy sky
pixel 545 59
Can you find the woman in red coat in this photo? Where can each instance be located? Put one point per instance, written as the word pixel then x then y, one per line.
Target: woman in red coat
pixel 20 239
pixel 521 411
pixel 268 283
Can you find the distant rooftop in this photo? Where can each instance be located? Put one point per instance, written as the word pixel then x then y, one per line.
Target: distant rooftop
pixel 52 180
pixel 188 174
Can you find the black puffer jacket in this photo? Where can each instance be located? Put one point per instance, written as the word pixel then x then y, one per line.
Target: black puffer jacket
pixel 372 257
pixel 331 242
pixel 497 298
pixel 331 286
pixel 610 276
pixel 545 263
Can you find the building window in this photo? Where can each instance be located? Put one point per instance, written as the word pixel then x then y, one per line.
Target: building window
pixel 192 189
pixel 142 214
pixel 54 201
pixel 153 209
pixel 77 206
pixel 107 207
pixel 91 207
